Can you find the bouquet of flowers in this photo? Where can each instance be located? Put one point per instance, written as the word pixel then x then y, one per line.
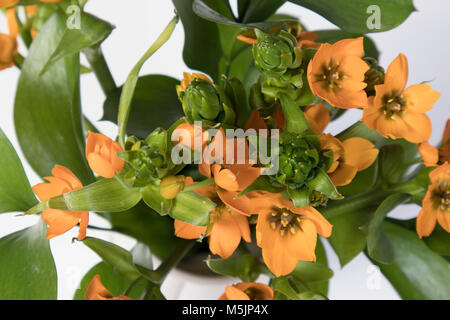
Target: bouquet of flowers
pixel 232 163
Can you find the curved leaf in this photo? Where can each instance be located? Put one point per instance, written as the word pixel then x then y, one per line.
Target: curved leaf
pixel 354 16
pixel 378 246
pixel 155 104
pixel 112 281
pixel 92 32
pixel 15 190
pixel 27 269
pixel 243 266
pixel 257 10
pixel 47 112
pixel 106 195
pixel 416 272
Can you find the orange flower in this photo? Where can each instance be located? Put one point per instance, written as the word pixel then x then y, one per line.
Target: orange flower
pixel 336 73
pixel 318 117
pixel 433 156
pixel 257 122
pixel 192 134
pixel 61 221
pixel 187 79
pixel 247 291
pixel 349 157
pixel 397 112
pixel 8 3
pixel 101 153
pixel 288 234
pixel 436 204
pixel 8 42
pixel 96 291
pixel 227 226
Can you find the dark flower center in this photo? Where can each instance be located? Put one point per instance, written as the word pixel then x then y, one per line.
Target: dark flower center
pixel 285 220
pixel 254 293
pixel 440 196
pixel 393 105
pixel 331 75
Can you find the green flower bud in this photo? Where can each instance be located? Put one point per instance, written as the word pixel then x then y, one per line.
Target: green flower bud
pixel 275 54
pixel 298 158
pixel 374 76
pixel 146 162
pixel 317 198
pixel 202 101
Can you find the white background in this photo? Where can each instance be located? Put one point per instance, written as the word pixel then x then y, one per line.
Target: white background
pixel 423 38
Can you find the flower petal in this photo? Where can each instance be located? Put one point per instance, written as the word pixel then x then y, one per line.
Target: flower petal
pixel 359 153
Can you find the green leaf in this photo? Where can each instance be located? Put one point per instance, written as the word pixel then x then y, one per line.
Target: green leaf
pixel 156 231
pixel 202 47
pixel 416 272
pixel 363 181
pixel 106 195
pixel 378 246
pixel 27 270
pixel 154 104
pixel 131 82
pixel 392 160
pixel 347 238
pixel 311 272
pixel 354 16
pixel 332 36
pixel 243 266
pixel 300 197
pixel 47 112
pixel 320 286
pixel 439 241
pixel 120 259
pixel 92 32
pixel 112 281
pixel 322 183
pixel 257 10
pixel 15 190
pixel 295 119
pixel 359 129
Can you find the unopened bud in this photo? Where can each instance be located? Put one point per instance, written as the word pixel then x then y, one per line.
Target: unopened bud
pixel 170 186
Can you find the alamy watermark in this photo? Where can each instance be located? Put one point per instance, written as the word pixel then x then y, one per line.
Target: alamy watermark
pixel 227 147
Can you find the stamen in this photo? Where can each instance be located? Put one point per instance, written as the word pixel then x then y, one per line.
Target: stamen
pixel 284 219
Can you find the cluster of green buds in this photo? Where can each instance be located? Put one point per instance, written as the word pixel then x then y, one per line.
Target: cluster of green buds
pixel 374 76
pixel 147 160
pixel 206 102
pixel 300 161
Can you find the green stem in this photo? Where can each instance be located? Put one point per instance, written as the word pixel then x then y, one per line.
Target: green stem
pixel 172 261
pixel 18 61
pixel 100 68
pixel 199 185
pixel 366 199
pixel 130 83
pixel 89 126
pixel 132 286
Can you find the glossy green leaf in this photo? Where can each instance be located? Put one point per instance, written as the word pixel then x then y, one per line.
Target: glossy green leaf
pixel 106 195
pixel 47 112
pixel 300 197
pixel 156 231
pixel 439 241
pixel 27 269
pixel 378 246
pixel 347 238
pixel 311 272
pixel 202 47
pixel 332 36
pixel 392 160
pixel 359 129
pixel 154 104
pixel 416 272
pixel 322 183
pixel 243 266
pixel 15 190
pixel 294 117
pixel 257 10
pixel 112 281
pixel 92 32
pixel 363 181
pixel 132 79
pixel 119 258
pixel 320 286
pixel 355 16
